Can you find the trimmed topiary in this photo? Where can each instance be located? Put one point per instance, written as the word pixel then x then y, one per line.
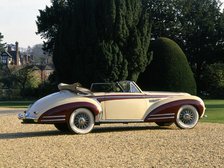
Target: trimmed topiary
pixel 169 69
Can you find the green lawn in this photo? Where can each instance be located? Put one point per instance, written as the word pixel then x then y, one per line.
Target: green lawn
pixel 15 104
pixel 214 111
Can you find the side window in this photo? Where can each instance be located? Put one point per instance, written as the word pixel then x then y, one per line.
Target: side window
pixel 133 89
pixel 125 86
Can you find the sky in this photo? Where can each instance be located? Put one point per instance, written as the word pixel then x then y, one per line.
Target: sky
pixel 17 21
pixel 222 1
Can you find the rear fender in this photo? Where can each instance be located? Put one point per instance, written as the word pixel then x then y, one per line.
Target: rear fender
pixel 61 113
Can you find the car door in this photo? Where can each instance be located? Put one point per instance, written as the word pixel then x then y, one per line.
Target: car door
pixel 126 106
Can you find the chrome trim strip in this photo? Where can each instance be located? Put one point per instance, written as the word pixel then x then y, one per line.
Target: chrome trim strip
pixel 167 114
pixel 52 120
pixel 141 95
pixel 160 118
pixel 121 97
pixel 59 116
pixel 120 121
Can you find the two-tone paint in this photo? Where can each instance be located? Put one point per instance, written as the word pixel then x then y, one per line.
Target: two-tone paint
pixel 57 108
pixel 112 107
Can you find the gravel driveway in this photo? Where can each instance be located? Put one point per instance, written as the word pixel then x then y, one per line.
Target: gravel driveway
pixel 117 145
pixel 7 111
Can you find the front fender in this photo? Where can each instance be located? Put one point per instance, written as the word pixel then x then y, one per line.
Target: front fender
pixel 167 111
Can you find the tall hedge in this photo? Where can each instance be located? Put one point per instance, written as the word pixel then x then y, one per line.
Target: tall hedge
pixel 169 69
pixel 99 40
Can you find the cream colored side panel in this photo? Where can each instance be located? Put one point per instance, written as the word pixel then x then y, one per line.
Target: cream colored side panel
pixel 127 109
pixel 102 115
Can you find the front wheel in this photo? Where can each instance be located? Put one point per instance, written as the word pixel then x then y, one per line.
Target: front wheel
pixel 187 117
pixel 81 121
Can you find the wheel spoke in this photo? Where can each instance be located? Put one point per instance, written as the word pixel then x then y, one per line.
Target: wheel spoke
pixel 81 121
pixel 187 116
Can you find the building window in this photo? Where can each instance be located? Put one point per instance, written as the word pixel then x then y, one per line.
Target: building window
pixel 4 61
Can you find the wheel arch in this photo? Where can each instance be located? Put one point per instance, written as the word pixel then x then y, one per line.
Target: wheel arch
pixel 61 113
pixel 168 111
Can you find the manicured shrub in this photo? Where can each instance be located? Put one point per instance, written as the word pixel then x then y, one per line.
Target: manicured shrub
pixel 169 69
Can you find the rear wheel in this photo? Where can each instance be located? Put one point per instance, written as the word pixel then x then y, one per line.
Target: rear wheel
pixel 164 123
pixel 63 127
pixel 81 121
pixel 187 117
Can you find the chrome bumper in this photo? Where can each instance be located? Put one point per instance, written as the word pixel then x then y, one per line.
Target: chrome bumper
pixel 21 116
pixel 26 119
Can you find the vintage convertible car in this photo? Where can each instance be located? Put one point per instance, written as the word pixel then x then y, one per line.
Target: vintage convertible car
pixel 77 109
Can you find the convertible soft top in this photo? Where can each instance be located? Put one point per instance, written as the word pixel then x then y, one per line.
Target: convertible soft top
pixel 75 87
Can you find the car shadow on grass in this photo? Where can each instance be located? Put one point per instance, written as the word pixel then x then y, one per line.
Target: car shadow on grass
pixel 96 130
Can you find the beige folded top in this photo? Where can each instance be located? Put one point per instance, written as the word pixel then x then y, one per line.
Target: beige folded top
pixel 75 87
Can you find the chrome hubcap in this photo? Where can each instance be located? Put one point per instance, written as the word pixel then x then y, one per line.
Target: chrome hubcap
pixel 187 116
pixel 81 121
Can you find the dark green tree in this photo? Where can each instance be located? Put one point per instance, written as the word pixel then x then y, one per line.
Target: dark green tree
pixel 48 22
pixel 196 25
pixel 213 79
pixel 165 16
pixel 98 40
pixel 169 69
pixel 204 34
pixel 2 45
pixel 5 80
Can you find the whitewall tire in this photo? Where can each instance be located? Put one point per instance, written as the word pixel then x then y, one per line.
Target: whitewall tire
pixel 187 117
pixel 81 121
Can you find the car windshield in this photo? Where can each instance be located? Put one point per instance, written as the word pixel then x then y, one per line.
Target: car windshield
pixel 122 86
